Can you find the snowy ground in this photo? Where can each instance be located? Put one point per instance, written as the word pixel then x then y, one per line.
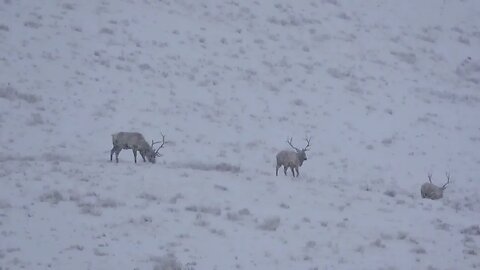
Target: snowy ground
pixel 388 90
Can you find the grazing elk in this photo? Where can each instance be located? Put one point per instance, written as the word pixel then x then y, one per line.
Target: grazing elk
pixel 136 142
pixel 431 191
pixel 292 159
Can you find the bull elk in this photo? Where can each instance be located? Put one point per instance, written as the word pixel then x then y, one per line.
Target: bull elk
pixel 431 191
pixel 136 142
pixel 292 159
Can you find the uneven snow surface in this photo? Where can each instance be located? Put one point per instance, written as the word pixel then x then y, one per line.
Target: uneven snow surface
pixel 389 91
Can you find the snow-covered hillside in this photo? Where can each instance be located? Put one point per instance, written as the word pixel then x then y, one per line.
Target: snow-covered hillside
pixel 389 91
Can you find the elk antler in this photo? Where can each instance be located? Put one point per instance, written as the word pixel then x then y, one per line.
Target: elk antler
pixel 308 143
pixel 448 180
pixel 290 143
pixel 161 146
pixel 430 177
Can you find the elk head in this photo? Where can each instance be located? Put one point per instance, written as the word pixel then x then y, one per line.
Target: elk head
pixel 152 154
pixel 444 185
pixel 302 156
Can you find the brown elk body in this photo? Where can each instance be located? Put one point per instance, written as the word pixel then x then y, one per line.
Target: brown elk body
pixel 136 142
pixel 432 191
pixel 291 159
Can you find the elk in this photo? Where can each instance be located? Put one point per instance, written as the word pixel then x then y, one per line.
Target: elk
pixel 136 142
pixel 292 159
pixel 431 191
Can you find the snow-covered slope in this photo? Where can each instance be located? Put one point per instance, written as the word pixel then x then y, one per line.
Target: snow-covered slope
pixel 388 90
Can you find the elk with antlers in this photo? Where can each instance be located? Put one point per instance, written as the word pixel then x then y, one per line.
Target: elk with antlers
pixel 136 142
pixel 431 191
pixel 292 159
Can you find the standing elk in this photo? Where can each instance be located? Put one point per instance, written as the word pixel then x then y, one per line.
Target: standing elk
pixel 431 191
pixel 292 159
pixel 136 142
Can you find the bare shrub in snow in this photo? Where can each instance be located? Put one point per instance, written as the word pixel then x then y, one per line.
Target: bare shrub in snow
pixel 68 6
pixel 141 220
pixel 76 247
pixel 4 28
pixel 402 235
pixel 284 205
pixel 418 250
pixel 10 93
pixel 54 157
pixel 440 225
pixel 360 249
pixel 147 196
pixel 204 209
pixel 33 25
pixel 244 212
pixel 107 31
pixel 218 232
pixel 412 240
pixel 455 98
pixel 332 2
pixel 464 40
pixel 240 214
pixel 270 224
pixel 170 262
pixel 145 67
pixel 344 16
pixel 431 191
pixel 310 244
pixel 200 221
pixel 224 167
pixel 53 197
pixel 292 159
pixel 175 198
pixel 136 142
pixel 299 102
pixel 233 216
pixel 409 58
pixel 472 230
pixel 99 252
pixel 219 187
pixel 378 243
pixel 221 167
pixel 91 204
pixel 338 74
pixel 390 193
pixel 388 141
pixel 89 209
pixel 342 224
pixel 472 252
pixel 35 119
pixel 107 203
pixel 469 70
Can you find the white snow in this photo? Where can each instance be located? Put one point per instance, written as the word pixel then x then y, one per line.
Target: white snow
pixel 389 91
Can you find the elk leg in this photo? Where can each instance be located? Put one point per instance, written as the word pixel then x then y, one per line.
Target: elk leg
pixel 142 153
pixel 134 154
pixel 111 152
pixel 293 172
pixel 276 173
pixel 117 151
pixel 296 169
pixel 285 169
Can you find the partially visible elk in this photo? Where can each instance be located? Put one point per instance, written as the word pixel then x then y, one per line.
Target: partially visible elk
pixel 431 191
pixel 292 159
pixel 136 142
